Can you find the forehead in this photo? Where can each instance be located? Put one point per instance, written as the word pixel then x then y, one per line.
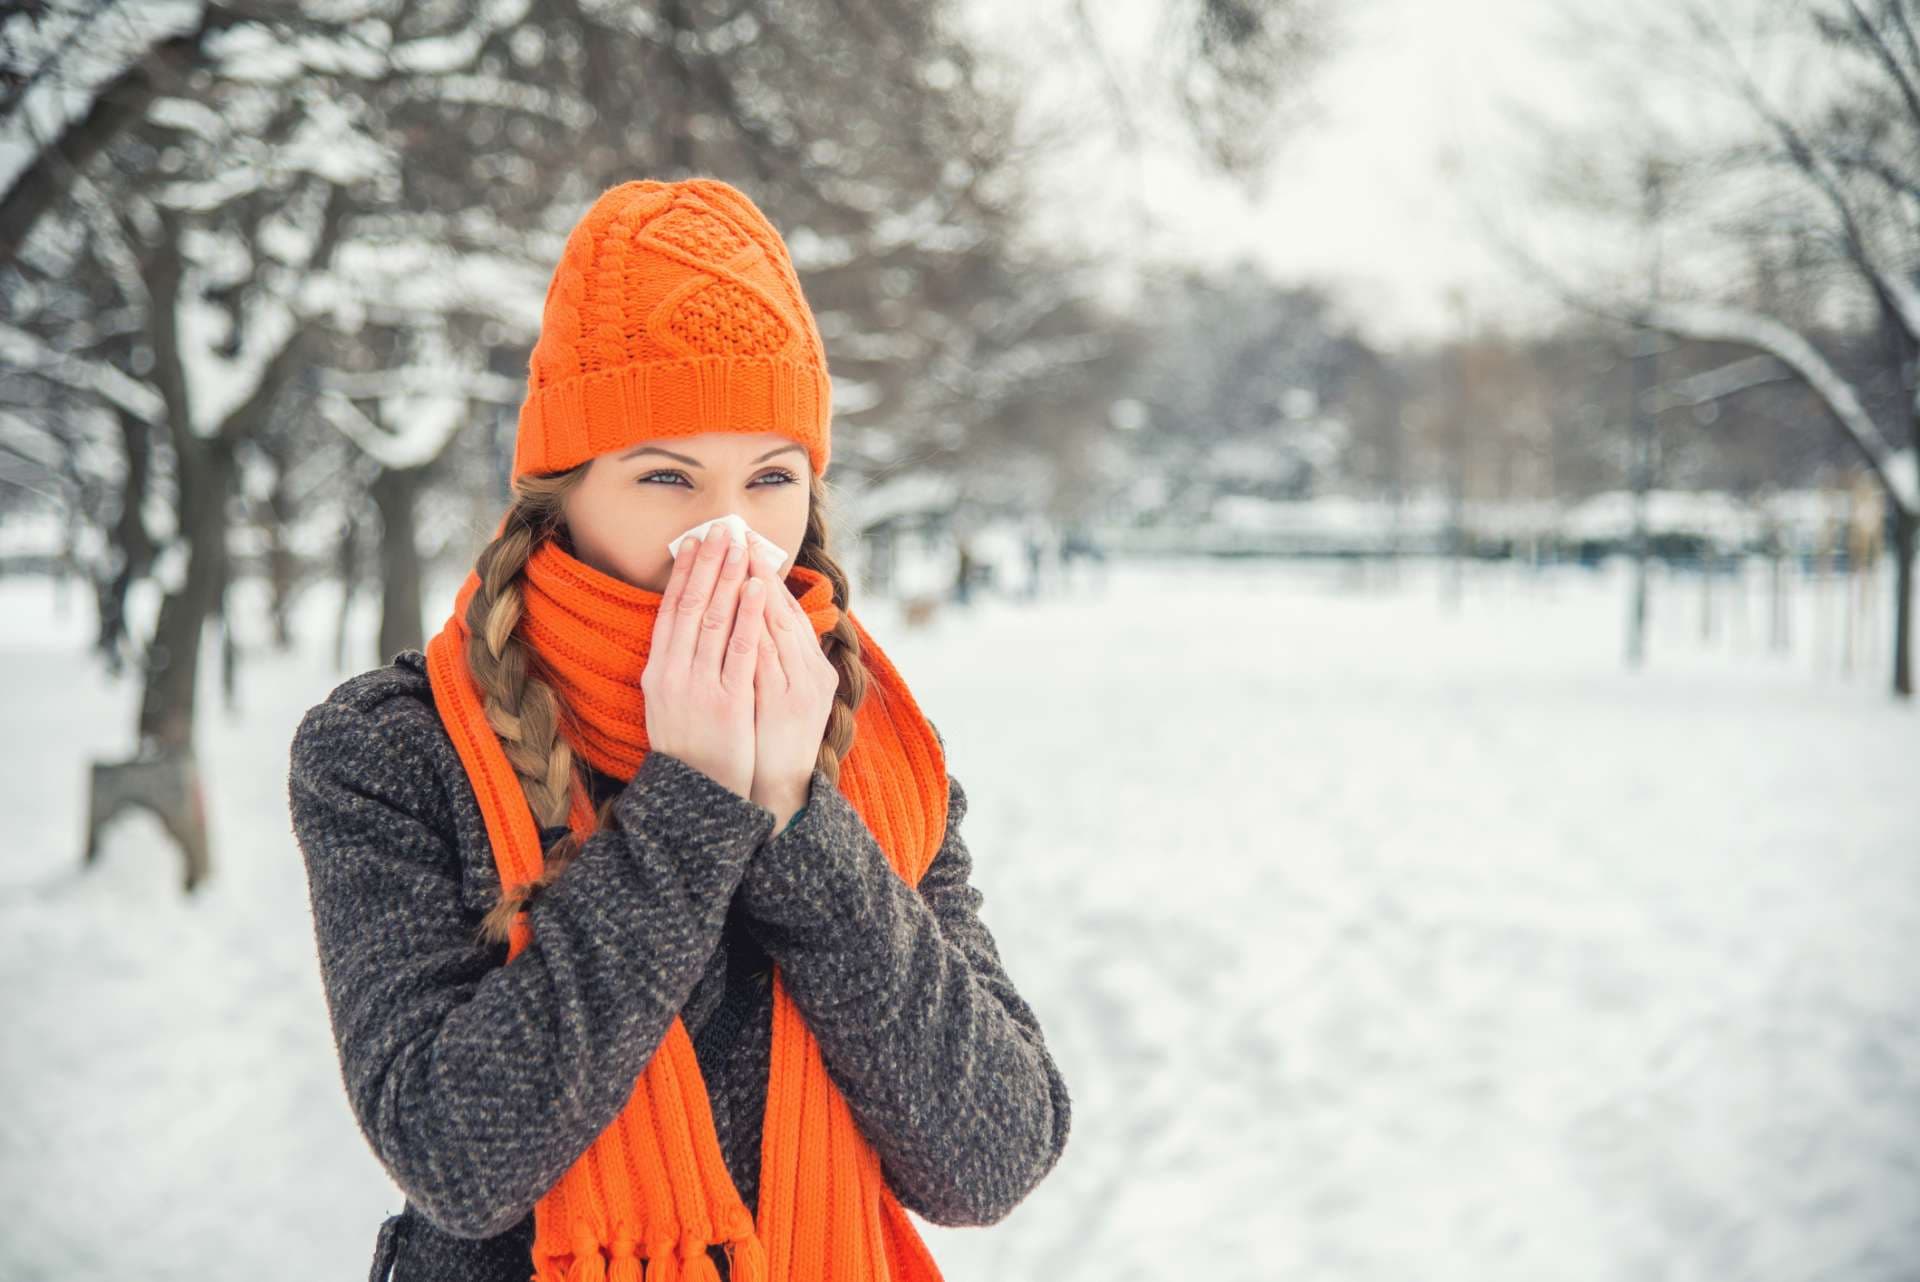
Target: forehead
pixel 710 446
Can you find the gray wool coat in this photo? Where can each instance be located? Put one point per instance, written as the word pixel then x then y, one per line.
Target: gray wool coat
pixel 478 1082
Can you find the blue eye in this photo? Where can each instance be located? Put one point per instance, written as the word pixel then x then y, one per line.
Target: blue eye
pixel 778 475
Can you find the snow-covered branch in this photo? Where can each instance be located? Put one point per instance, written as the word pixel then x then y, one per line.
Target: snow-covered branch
pixel 427 424
pixel 23 351
pixel 1717 384
pixel 1714 322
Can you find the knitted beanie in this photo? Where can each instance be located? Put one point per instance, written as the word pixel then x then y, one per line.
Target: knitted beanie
pixel 674 310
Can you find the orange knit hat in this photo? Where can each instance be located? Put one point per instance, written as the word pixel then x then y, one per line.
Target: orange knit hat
pixel 674 310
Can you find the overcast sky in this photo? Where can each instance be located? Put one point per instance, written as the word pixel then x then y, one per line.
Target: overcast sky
pixel 1415 123
pixel 1416 120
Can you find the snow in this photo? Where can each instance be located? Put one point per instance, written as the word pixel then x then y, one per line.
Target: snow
pixel 1324 523
pixel 185 115
pixel 904 495
pixel 1724 518
pixel 417 274
pixel 1903 472
pixel 1375 938
pixel 31 532
pixel 217 385
pixel 92 44
pixel 1803 519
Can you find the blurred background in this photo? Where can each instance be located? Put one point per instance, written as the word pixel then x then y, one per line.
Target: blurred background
pixel 1403 512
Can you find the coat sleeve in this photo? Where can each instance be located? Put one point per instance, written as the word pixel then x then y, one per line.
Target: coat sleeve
pixel 477 1081
pixel 939 1058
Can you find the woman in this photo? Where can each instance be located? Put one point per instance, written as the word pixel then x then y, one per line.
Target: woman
pixel 640 894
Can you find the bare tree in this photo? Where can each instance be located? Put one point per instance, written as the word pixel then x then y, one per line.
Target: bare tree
pixel 1824 189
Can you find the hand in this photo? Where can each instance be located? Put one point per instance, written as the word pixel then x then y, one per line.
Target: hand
pixel 699 678
pixel 794 685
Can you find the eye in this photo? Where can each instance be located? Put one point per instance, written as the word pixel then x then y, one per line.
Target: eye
pixel 778 475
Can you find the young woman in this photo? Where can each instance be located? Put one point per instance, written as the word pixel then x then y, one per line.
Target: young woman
pixel 640 893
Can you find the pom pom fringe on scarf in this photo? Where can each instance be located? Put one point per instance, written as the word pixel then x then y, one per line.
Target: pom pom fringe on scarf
pixel 653 1188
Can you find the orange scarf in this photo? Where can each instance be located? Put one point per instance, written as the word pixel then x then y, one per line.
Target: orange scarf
pixel 654 1185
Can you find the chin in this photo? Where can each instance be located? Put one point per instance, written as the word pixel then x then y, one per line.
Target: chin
pixel 650 582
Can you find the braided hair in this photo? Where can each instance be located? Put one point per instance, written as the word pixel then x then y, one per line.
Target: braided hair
pixel 528 714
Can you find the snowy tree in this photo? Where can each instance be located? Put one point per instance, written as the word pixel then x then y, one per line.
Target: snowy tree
pixel 268 266
pixel 1816 182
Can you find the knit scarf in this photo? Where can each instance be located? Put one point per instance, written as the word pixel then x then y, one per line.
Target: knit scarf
pixel 653 1186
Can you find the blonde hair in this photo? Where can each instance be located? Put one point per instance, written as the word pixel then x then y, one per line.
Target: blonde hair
pixel 527 713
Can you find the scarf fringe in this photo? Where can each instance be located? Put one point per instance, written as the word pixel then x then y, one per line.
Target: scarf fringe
pixel 747 1259
pixel 683 1259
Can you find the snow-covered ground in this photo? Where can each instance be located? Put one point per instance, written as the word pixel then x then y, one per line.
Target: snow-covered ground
pixel 1377 939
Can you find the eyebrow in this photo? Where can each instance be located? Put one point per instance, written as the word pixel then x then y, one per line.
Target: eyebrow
pixel 694 462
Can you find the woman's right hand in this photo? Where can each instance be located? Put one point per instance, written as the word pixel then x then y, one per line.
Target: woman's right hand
pixel 698 680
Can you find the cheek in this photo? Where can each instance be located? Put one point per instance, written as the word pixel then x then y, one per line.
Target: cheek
pixel 627 540
pixel 642 560
pixel 787 524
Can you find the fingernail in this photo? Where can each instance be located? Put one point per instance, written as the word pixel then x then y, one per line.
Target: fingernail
pixel 735 555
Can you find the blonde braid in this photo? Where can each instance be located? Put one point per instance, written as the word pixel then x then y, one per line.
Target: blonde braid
pixel 521 706
pixel 527 713
pixel 840 643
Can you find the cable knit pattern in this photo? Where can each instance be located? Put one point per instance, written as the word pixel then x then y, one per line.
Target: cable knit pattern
pixel 674 310
pixel 699 234
pixel 478 1083
pixel 732 316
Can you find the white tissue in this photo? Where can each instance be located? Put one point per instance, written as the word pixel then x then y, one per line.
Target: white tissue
pixel 743 534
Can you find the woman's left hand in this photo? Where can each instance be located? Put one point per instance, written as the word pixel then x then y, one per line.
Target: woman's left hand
pixel 794 684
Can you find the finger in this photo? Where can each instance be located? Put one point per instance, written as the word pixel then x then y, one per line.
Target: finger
pixel 785 602
pixel 694 598
pixel 669 611
pixel 807 637
pixel 772 676
pixel 769 679
pixel 743 643
pixel 790 631
pixel 777 594
pixel 716 621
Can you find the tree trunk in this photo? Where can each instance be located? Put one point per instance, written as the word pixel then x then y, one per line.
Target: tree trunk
pixel 280 565
pixel 1905 526
pixel 347 566
pixel 173 659
pixel 163 775
pixel 394 492
pixel 1639 483
pixel 129 541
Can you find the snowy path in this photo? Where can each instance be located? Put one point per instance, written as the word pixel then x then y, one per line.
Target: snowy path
pixel 1376 941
